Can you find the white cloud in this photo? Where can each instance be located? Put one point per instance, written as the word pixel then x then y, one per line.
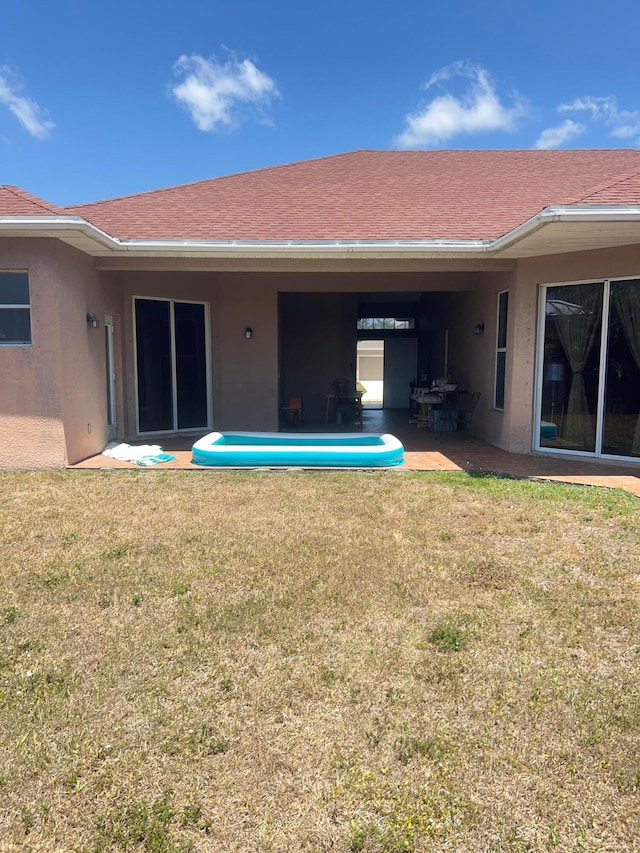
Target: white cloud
pixel 554 137
pixel 622 124
pixel 598 107
pixel 219 95
pixel 478 109
pixel 31 116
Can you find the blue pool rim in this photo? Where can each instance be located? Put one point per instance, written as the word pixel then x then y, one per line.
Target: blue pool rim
pixel 304 450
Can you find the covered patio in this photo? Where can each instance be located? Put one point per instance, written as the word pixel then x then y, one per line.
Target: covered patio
pixel 427 451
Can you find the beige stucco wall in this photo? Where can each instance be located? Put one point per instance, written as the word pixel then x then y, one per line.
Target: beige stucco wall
pixel 247 370
pixel 31 426
pixel 54 389
pixel 83 291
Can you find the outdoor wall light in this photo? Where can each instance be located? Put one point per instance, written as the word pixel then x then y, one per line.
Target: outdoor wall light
pixel 479 329
pixel 92 321
pixel 248 333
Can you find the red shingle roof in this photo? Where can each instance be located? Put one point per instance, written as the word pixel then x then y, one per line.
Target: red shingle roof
pixel 626 191
pixel 370 195
pixel 374 195
pixel 17 202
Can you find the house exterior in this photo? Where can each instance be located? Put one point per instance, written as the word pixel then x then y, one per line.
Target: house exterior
pixel 206 306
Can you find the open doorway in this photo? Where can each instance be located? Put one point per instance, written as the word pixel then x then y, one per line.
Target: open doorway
pixel 370 373
pixel 385 370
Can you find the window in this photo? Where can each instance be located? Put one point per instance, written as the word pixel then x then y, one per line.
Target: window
pixel 501 348
pixel 395 324
pixel 15 310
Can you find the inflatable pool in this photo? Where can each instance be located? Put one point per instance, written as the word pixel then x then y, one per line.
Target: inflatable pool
pixel 308 450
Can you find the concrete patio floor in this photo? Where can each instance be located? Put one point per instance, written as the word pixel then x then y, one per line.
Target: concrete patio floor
pixel 425 451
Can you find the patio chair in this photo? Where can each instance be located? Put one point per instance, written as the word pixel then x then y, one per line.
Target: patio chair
pixel 347 401
pixel 291 414
pixel 465 416
pixel 452 420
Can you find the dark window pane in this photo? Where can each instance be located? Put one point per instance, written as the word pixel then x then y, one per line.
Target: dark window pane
pixel 501 362
pixel 153 345
pixel 503 304
pixel 621 435
pixel 405 323
pixel 191 365
pixel 14 288
pixel 15 326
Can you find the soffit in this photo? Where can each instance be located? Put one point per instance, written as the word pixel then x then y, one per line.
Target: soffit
pixel 555 238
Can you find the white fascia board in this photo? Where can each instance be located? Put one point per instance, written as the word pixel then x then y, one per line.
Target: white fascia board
pixel 58 226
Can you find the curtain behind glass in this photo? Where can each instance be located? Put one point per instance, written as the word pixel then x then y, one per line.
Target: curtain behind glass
pixel 625 302
pixel 578 319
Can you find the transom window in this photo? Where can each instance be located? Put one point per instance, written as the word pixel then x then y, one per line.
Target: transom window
pixel 397 324
pixel 15 309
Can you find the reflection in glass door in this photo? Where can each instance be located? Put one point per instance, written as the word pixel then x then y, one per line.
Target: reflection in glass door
pixel 171 365
pixel 110 376
pixel 621 429
pixel 589 382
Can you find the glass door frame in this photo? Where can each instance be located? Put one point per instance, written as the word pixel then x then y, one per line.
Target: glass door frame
pixel 112 414
pixel 602 370
pixel 174 381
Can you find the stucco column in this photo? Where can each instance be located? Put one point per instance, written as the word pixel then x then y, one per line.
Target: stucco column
pixel 248 368
pixel 521 362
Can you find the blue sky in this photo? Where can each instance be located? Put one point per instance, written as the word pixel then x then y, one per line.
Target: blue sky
pixel 106 99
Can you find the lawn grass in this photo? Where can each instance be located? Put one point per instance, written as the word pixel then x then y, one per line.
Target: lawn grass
pixel 310 662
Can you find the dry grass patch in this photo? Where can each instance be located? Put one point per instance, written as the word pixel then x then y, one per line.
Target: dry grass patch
pixel 308 662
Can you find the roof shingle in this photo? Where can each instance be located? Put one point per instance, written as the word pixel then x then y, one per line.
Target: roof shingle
pixel 17 202
pixel 369 195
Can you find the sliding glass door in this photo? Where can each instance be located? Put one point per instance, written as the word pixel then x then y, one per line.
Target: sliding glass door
pixel 621 421
pixel 589 370
pixel 171 365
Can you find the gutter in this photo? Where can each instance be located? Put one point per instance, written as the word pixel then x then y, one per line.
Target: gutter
pixel 65 226
pixel 58 224
pixel 305 247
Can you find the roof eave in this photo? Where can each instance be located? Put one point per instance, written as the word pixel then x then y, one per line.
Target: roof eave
pixel 514 243
pixel 70 229
pixel 84 235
